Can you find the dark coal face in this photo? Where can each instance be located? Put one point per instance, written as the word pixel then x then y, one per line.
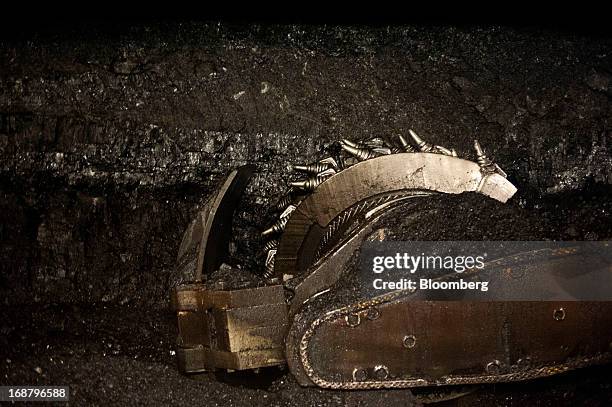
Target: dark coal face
pixel 110 138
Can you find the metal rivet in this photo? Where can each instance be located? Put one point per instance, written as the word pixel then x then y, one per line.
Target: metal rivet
pixel 353 320
pixel 409 341
pixel 559 314
pixel 359 374
pixel 381 372
pixel 493 367
pixel 372 314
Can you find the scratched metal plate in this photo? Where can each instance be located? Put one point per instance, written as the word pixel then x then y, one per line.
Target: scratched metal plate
pixel 407 344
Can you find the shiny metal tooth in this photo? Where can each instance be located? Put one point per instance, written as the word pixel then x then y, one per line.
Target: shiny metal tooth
pixel 312 168
pixel 405 145
pixel 481 157
pixel 269 264
pixel 270 245
pixel 445 151
pixel 424 146
pixel 276 227
pixel 308 184
pixel 288 211
pixel 375 142
pixel 284 202
pixel 382 150
pixel 485 162
pixel 331 162
pixel 350 143
pixel 327 173
pixel 361 154
pixel 342 164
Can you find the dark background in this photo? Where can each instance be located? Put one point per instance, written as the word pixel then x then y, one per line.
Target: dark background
pixel 111 134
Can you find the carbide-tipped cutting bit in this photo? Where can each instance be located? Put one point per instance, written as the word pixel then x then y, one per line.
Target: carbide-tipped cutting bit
pixel 375 142
pixel 277 227
pixel 424 146
pixel 350 143
pixel 407 147
pixel 485 163
pixel 308 184
pixel 444 150
pixel 284 202
pixel 313 168
pixel 280 224
pixel 327 173
pixel 288 211
pixel 269 264
pixel 382 150
pixel 331 162
pixel 359 153
pixel 342 164
pixel 481 157
pixel 270 244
